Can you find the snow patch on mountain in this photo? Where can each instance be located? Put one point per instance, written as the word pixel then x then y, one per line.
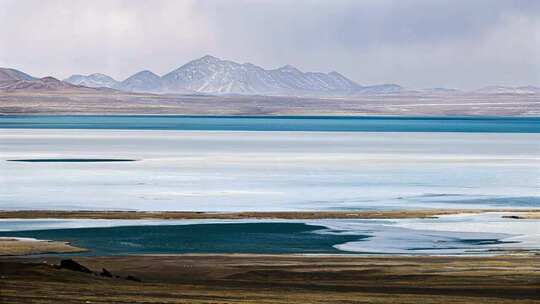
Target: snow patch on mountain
pixel 213 75
pixel 144 81
pixel 95 80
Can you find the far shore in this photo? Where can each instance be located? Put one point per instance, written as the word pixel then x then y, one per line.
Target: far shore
pixel 17 247
pixel 84 103
pixel 292 215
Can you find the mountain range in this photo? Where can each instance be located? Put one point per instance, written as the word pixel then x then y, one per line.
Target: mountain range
pixel 13 80
pixel 211 75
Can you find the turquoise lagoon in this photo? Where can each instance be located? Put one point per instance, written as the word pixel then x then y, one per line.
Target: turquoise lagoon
pixel 277 123
pixel 223 164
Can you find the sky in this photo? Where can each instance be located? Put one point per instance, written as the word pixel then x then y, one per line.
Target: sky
pixel 462 44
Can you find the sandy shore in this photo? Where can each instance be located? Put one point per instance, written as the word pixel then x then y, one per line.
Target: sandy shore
pixel 262 278
pixel 535 215
pixel 60 102
pixel 36 214
pixel 11 246
pixel 274 279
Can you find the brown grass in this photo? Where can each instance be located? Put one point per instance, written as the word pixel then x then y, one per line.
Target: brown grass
pixel 32 214
pixel 269 279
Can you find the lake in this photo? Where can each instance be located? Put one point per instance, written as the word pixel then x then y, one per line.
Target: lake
pixel 222 164
pixel 448 235
pixel 277 123
pixel 159 163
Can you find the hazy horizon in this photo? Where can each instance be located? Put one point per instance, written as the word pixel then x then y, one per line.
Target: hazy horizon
pixel 417 44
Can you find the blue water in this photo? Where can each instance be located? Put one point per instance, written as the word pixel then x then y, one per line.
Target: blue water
pixel 341 236
pixel 197 238
pixel 282 123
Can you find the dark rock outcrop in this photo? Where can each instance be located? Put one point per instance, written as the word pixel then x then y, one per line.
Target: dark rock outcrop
pixel 70 264
pixel 133 278
pixel 515 217
pixel 105 273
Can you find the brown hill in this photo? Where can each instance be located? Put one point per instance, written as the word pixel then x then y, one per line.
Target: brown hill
pixel 43 84
pixel 12 80
pixel 9 75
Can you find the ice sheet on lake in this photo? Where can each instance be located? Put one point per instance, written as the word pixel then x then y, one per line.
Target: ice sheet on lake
pixel 265 171
pixel 447 235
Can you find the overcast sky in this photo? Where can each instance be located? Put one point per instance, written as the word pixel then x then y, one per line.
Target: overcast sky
pixel 416 43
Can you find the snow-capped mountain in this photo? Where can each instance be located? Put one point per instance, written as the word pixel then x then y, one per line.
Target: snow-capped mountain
pixel 211 75
pixel 215 76
pixel 12 80
pixel 144 81
pixel 96 80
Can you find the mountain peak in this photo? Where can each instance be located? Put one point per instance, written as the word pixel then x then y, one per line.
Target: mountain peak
pixel 99 75
pixel 95 80
pixel 145 73
pixel 208 59
pixel 143 81
pixel 289 68
pixel 8 74
pixel 209 74
pixel 212 75
pixel 50 79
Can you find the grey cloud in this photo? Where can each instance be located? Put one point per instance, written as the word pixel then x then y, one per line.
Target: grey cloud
pixel 363 23
pixel 417 43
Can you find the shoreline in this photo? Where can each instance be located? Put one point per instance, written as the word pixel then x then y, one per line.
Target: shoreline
pixel 288 215
pixel 11 246
pixel 307 115
pixel 247 278
pixel 58 103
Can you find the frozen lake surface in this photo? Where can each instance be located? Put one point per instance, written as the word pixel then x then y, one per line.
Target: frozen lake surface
pixel 267 171
pixel 487 233
pixel 273 164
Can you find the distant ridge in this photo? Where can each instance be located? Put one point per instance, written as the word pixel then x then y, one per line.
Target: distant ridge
pixel 95 80
pixel 14 80
pixel 144 81
pixel 509 90
pixel 8 75
pixel 211 75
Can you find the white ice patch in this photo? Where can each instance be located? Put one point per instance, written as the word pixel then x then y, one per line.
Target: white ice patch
pixel 447 235
pixel 268 171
